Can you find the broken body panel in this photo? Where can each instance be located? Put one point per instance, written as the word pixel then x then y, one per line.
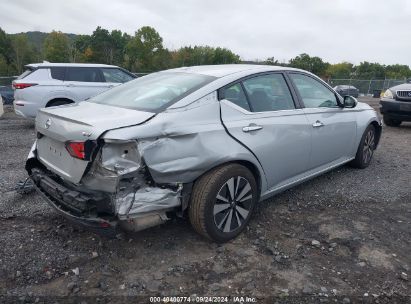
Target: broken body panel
pixel 142 169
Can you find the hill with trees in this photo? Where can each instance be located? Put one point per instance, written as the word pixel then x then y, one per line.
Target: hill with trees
pixel 144 52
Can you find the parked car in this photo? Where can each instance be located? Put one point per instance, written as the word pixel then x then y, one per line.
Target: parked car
pixel 54 84
pixel 7 94
pixel 207 141
pixel 345 90
pixel 395 104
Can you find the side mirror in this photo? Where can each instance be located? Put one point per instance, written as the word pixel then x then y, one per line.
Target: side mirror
pixel 350 102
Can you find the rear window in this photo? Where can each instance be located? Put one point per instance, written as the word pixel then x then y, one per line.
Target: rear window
pixel 25 73
pixel 83 75
pixel 116 75
pixel 154 92
pixel 58 73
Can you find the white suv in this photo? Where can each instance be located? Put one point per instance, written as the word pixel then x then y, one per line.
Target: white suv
pixel 53 84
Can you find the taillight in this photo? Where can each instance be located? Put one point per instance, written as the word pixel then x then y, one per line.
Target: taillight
pixel 76 149
pixel 81 149
pixel 19 86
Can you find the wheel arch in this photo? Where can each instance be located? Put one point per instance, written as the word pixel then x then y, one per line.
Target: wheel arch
pixel 245 163
pixel 378 131
pixel 59 98
pixel 254 170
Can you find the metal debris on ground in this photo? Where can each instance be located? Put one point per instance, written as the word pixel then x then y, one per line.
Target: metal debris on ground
pixel 24 187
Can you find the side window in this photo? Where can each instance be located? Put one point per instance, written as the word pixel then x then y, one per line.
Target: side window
pixel 58 73
pixel 236 95
pixel 83 74
pixel 313 93
pixel 268 93
pixel 115 75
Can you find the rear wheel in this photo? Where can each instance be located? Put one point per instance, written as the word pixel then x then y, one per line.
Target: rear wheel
pixel 222 202
pixel 391 122
pixel 365 149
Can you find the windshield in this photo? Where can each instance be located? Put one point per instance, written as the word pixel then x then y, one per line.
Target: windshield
pixel 154 92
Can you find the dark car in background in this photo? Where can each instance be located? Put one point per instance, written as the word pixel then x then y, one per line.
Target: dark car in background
pixel 395 105
pixel 7 94
pixel 347 90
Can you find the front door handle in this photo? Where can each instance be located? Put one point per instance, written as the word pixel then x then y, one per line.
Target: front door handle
pixel 252 127
pixel 318 124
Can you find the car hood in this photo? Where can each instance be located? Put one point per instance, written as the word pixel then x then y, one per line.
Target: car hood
pixel 363 106
pixel 86 120
pixel 404 86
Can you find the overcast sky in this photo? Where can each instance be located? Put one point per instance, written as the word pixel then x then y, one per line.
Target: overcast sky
pixel 336 30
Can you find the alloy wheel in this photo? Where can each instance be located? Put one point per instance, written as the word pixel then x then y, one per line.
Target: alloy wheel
pixel 369 144
pixel 233 204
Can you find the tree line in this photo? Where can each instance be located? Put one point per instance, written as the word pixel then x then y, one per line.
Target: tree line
pixel 144 52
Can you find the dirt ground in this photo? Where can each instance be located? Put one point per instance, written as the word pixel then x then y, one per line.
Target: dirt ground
pixel 344 237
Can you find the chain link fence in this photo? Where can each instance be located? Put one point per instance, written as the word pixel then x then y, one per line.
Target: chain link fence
pixel 368 86
pixel 6 81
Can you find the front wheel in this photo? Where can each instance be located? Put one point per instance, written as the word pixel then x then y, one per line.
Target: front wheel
pixel 365 149
pixel 222 202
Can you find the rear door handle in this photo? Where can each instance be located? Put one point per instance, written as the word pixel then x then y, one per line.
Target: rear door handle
pixel 252 127
pixel 318 124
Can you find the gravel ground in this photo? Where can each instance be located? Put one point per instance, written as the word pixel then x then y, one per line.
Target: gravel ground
pixel 343 237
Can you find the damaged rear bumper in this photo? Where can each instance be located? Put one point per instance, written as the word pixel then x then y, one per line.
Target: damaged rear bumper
pixel 69 203
pixel 104 213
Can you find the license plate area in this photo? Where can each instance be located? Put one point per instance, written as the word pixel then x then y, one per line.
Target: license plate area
pixel 55 157
pixel 405 107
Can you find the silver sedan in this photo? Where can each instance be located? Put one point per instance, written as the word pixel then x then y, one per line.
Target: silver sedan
pixel 206 142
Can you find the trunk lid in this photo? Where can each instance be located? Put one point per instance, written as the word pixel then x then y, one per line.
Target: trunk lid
pixel 80 122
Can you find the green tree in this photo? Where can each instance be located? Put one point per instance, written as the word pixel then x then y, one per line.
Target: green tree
pixel 143 48
pixel 200 55
pixel 367 70
pixel 56 47
pixel 78 49
pixel 118 44
pixel 6 54
pixel 312 64
pixel 150 44
pixel 271 61
pixel 341 70
pixel 397 71
pixel 102 45
pixel 22 50
pixel 224 56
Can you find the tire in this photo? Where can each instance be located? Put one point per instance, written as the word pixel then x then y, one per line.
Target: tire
pixel 58 102
pixel 211 193
pixel 391 122
pixel 366 149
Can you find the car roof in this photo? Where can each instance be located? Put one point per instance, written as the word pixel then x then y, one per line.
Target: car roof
pixel 345 86
pixel 227 69
pixel 403 86
pixel 78 65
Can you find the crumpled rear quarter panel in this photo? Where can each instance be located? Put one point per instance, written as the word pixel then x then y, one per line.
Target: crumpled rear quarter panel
pixel 179 145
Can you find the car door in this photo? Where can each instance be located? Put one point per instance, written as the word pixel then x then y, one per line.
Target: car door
pixel 334 128
pixel 260 112
pixel 84 82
